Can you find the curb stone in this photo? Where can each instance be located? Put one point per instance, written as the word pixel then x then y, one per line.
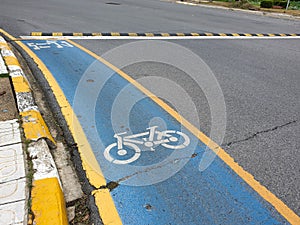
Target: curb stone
pixel 48 205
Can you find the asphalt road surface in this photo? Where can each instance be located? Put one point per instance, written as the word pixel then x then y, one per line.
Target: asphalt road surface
pixel 260 79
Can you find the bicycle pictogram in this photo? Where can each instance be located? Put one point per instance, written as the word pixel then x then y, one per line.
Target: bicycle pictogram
pixel 151 138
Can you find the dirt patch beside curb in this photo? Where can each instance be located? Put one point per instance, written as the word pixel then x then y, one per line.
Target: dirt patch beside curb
pixel 8 110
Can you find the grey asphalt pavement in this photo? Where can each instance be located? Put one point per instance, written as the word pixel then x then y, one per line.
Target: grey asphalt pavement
pixel 22 17
pixel 260 79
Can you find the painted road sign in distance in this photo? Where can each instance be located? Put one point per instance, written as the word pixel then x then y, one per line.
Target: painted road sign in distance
pixel 153 157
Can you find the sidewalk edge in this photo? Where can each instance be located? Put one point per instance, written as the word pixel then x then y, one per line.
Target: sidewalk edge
pixel 47 208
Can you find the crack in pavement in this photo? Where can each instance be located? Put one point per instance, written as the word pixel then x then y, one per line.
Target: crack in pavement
pixel 113 184
pixel 17 201
pixel 16 179
pixel 10 144
pixel 258 133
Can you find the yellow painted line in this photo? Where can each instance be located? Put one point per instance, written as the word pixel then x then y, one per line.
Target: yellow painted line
pixel 248 35
pixel 89 162
pixel 11 61
pixel 282 208
pixel 260 35
pixel 271 35
pixel 282 35
pixel 294 35
pixel 195 34
pixel 115 34
pixel 97 34
pixel 34 126
pixel 165 34
pixel 208 34
pixel 222 34
pixel 235 34
pixel 105 204
pixel 20 84
pixel 180 34
pixel 36 33
pixel 48 203
pixel 57 34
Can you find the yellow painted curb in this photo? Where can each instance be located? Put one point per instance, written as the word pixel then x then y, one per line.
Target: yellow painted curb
pixel 58 34
pixel 149 34
pixel 165 35
pixel 77 34
pixel 20 84
pixel 36 33
pixel 3 45
pixel 11 61
pixel 34 126
pixel 48 203
pixel 96 34
pixel 132 34
pixel 115 34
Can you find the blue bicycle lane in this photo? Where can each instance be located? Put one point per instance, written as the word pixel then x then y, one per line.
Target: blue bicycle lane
pixel 163 186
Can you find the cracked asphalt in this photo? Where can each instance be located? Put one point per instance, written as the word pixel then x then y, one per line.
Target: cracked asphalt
pixel 258 133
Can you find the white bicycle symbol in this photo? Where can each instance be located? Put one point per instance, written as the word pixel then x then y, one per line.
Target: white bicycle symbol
pixel 150 139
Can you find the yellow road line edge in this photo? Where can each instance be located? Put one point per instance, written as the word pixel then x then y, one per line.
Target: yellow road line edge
pixel 48 204
pixel 91 166
pixel 281 207
pixel 104 204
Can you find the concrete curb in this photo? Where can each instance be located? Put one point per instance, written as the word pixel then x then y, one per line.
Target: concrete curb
pixel 48 205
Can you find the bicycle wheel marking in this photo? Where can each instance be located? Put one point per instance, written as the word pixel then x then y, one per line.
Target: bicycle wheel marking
pixel 123 152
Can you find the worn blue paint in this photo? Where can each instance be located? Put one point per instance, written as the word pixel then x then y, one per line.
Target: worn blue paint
pixel 214 196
